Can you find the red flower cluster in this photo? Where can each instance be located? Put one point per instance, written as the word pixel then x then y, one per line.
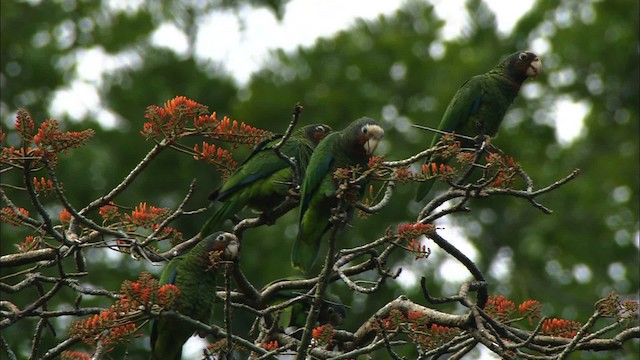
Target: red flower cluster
pixel 429 337
pixel 323 335
pixel 432 169
pixel 530 309
pixel 29 243
pixel 42 185
pixel 419 250
pixel 499 308
pixel 506 169
pixel 89 330
pixel 394 321
pixel 169 121
pixel 418 329
pixel 375 161
pixel 74 355
pixel 50 140
pixel 120 319
pixel 404 175
pixel 414 230
pixel 10 217
pixel 65 216
pixel 239 133
pixel 217 156
pixel 109 211
pixel 140 216
pixel 560 327
pixel 270 346
pixel 147 291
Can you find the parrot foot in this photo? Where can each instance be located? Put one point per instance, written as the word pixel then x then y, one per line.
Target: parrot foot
pixel 482 141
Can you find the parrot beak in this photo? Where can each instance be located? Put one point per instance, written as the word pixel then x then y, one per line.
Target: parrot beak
pixel 374 135
pixel 534 68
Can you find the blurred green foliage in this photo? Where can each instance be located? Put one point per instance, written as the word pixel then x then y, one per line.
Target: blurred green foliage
pixel 396 69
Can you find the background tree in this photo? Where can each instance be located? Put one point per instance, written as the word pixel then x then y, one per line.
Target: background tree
pixel 397 69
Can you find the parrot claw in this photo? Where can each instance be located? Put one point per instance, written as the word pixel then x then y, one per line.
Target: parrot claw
pixel 482 141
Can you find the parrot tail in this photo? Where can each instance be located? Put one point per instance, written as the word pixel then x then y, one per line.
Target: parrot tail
pixel 304 254
pixel 423 189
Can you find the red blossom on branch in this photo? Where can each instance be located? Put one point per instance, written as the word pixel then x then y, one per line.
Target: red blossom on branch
pixel 43 186
pixel 169 121
pixel 560 327
pixel 146 218
pixel 217 156
pixel 25 125
pixel 65 216
pixel 120 318
pixel 413 230
pixel 53 141
pixel 433 169
pixel 9 216
pixel 499 308
pixel 109 211
pixel 74 355
pixel 323 335
pixel 29 243
pixel 239 133
pixel 271 345
pixel 530 309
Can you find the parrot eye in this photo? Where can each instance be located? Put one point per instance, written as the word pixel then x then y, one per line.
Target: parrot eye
pixel 320 128
pixel 220 237
pixel 364 130
pixel 522 56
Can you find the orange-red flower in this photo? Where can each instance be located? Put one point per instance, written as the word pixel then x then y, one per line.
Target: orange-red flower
pixel 271 345
pixel 217 156
pixel 29 243
pixel 323 334
pixel 530 309
pixel 65 216
pixel 141 216
pixel 560 327
pixel 11 217
pixel 109 211
pixel 43 185
pixel 499 307
pixel 74 355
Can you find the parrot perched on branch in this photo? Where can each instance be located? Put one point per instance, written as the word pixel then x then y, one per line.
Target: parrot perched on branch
pixel 350 147
pixel 480 104
pixel 196 277
pixel 263 179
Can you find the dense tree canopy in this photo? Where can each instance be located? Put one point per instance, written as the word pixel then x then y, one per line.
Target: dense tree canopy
pixel 397 69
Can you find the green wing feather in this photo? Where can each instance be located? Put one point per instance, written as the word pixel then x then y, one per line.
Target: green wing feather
pixel 315 203
pixel 262 181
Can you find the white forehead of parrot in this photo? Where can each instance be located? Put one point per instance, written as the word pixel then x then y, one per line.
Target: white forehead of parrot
pixel 373 131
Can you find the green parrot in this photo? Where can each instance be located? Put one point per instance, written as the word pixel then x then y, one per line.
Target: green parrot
pixel 349 147
pixel 263 179
pixel 195 277
pixel 480 104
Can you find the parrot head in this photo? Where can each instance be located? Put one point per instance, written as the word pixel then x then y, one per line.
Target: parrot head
pixel 366 134
pixel 227 243
pixel 316 132
pixel 522 65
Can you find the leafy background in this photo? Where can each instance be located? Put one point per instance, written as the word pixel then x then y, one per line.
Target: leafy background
pixel 395 68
